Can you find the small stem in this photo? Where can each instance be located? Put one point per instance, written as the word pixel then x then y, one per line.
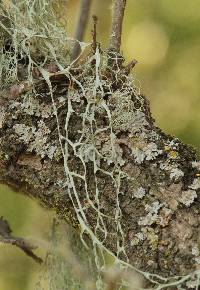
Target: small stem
pixel 116 28
pixel 81 26
pixel 130 66
pixel 94 33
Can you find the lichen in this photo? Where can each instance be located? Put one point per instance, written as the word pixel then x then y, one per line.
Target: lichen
pixel 36 139
pixel 152 214
pixel 172 170
pixel 196 253
pixel 31 106
pixel 164 217
pixel 25 133
pixel 176 173
pixel 195 184
pixel 145 151
pixel 35 33
pixel 140 192
pixel 125 117
pixel 188 197
pixel 152 237
pixel 139 237
pixel 196 164
pixel 2 117
pixel 147 233
pixel 117 164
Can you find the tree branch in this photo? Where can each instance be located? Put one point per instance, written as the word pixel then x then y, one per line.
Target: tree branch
pixel 159 200
pixel 116 27
pixel 81 26
pixel 94 33
pixel 84 143
pixel 6 237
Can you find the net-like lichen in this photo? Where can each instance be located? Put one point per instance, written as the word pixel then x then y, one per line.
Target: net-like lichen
pixel 91 117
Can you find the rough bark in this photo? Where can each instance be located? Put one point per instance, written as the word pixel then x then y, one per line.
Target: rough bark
pixel 159 200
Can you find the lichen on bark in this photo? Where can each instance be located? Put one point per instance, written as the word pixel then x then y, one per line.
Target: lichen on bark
pixel 82 140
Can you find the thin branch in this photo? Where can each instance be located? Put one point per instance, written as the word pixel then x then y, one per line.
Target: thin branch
pixel 130 66
pixel 7 238
pixel 116 28
pixel 94 33
pixel 81 26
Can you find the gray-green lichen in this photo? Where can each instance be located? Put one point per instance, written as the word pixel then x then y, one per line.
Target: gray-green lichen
pixel 125 117
pixel 2 117
pixel 30 32
pixel 31 106
pixel 36 139
pixel 86 144
pixel 139 192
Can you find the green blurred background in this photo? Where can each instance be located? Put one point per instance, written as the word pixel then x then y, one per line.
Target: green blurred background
pixel 164 36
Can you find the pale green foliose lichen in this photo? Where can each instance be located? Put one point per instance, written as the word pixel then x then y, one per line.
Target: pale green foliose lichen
pixel 123 112
pixel 188 197
pixel 196 253
pixel 124 115
pixel 145 151
pixel 152 214
pixel 36 139
pixel 139 192
pixel 172 169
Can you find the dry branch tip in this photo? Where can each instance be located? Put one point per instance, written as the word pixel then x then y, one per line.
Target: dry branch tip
pixel 6 237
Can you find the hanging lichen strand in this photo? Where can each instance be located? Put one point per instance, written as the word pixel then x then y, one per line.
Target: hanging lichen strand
pixel 80 138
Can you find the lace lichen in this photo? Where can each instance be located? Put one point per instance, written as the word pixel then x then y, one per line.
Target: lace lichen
pixel 110 121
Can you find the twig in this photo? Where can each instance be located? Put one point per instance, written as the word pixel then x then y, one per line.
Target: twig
pixel 6 237
pixel 94 33
pixel 130 66
pixel 81 26
pixel 116 28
